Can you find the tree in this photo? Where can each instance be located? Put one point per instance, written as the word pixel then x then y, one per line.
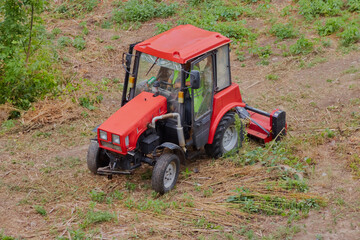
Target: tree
pixel 23 78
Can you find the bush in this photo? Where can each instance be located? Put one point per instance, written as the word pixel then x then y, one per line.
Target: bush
pixel 143 10
pixel 27 70
pixel 283 31
pixel 302 46
pixel 350 35
pixel 331 26
pixel 315 8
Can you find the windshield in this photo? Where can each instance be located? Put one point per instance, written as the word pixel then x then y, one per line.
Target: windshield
pixel 161 76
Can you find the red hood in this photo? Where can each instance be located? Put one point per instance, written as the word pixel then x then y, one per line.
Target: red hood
pixel 132 119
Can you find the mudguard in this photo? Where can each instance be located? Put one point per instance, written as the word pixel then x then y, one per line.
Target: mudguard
pixel 176 149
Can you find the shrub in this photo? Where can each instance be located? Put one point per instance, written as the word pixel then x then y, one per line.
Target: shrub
pixel 315 8
pixel 350 35
pixel 283 31
pixel 331 26
pixel 302 46
pixel 27 69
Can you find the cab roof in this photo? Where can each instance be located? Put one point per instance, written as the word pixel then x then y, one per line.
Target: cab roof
pixel 182 43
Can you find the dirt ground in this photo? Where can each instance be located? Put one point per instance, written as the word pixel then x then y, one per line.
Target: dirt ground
pixel 43 161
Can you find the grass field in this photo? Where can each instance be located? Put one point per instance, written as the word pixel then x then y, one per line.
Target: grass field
pixel 293 55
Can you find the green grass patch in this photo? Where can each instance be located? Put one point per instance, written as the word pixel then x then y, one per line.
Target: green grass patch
pixel 269 204
pixel 93 217
pixel 350 35
pixel 40 210
pixel 142 11
pixel 331 25
pixel 316 8
pixel 302 46
pixel 283 31
pixel 75 8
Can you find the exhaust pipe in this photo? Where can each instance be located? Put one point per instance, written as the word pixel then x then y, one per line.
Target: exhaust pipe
pixel 179 128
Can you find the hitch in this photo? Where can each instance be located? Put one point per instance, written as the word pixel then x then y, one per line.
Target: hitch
pixel 264 126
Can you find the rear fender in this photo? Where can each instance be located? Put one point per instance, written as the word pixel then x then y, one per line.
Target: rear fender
pixel 176 149
pixel 224 101
pixel 218 118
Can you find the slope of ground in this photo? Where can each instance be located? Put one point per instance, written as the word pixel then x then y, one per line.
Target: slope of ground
pixel 47 192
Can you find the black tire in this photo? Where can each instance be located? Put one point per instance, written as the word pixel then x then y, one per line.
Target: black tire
pixel 96 157
pixel 161 171
pixel 217 149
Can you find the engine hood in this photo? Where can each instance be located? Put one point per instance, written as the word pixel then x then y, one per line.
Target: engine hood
pixel 130 121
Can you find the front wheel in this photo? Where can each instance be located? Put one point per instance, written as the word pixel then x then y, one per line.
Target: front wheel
pixel 96 157
pixel 226 138
pixel 165 173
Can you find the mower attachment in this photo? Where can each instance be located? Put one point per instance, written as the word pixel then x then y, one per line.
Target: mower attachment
pixel 264 126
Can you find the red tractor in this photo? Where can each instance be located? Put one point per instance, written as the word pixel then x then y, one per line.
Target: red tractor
pixel 178 98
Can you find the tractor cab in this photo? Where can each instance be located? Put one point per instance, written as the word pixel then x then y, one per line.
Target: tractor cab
pixel 178 98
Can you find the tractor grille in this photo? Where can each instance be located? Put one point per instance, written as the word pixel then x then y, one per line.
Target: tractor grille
pixel 110 145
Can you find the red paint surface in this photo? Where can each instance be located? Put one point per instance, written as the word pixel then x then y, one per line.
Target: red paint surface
pixel 182 43
pixel 224 101
pixel 132 119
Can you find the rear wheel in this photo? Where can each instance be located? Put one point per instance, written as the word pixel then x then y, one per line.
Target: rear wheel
pixel 165 173
pixel 226 138
pixel 96 157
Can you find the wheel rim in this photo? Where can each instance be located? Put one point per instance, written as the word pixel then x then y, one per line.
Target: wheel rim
pixel 169 175
pixel 230 138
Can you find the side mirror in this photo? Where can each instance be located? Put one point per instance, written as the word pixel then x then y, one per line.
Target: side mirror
pixel 195 79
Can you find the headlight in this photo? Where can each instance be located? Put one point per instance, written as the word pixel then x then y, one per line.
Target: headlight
pixel 127 141
pixel 115 139
pixel 103 135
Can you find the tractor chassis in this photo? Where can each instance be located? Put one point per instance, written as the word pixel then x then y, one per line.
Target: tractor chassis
pixel 122 165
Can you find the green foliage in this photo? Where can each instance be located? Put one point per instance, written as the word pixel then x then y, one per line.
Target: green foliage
pixel 283 31
pixel 353 5
pixel 328 133
pixel 75 8
pixel 272 77
pixel 130 186
pixel 93 217
pixel 162 27
pixel 40 210
pixel 194 3
pixel 302 46
pixel 79 43
pixel 64 41
pixel 7 125
pixel 56 31
pixel 331 26
pixel 27 69
pixel 143 10
pixel 350 35
pixel 315 8
pixel 298 185
pixel 5 237
pixel 234 30
pixel 269 204
pixel 97 196
pixel 272 155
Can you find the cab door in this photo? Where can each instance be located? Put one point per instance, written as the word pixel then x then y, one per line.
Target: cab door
pixel 202 99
